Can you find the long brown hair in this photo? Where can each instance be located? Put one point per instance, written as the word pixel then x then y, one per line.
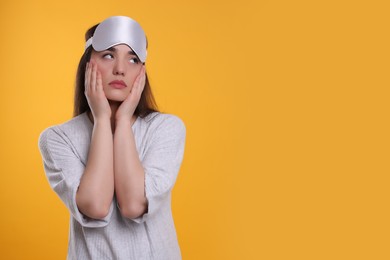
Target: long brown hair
pixel 146 105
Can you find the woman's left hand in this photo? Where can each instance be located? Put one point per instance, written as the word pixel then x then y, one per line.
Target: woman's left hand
pixel 128 106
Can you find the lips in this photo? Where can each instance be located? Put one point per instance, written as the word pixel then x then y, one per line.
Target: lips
pixel 117 84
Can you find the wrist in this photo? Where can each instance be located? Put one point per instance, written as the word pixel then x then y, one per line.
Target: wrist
pixel 102 119
pixel 123 120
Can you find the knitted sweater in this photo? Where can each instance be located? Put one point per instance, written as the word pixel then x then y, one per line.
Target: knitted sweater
pixel 160 140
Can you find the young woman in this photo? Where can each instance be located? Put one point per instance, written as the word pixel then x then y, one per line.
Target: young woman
pixel 115 163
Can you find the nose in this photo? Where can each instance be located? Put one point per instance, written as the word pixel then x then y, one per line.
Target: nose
pixel 119 68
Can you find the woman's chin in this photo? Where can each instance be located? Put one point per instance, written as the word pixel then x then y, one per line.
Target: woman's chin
pixel 116 98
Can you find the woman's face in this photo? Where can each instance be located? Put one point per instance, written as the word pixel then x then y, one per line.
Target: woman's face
pixel 119 67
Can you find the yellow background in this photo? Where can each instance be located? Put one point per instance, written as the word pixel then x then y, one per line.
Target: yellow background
pixel 286 105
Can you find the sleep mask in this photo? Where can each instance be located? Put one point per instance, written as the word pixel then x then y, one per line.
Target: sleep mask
pixel 116 30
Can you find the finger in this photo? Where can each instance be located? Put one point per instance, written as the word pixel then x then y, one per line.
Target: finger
pixel 93 78
pixel 87 77
pixel 141 85
pixel 137 81
pixel 143 71
pixel 85 73
pixel 136 92
pixel 99 81
pixel 142 80
pixel 144 75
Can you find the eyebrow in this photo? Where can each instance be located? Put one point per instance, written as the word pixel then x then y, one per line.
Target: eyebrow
pixel 113 49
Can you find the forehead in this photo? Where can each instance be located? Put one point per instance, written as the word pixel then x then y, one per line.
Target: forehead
pixel 119 48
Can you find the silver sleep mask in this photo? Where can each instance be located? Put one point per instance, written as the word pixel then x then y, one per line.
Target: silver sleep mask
pixel 116 30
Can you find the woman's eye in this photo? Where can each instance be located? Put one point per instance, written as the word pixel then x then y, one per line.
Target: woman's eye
pixel 134 60
pixel 108 56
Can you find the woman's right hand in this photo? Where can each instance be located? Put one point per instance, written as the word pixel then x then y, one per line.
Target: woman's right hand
pixel 94 92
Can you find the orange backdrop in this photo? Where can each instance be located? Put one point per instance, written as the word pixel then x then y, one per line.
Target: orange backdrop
pixel 286 105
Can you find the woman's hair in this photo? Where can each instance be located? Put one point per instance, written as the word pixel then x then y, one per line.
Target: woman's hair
pixel 146 105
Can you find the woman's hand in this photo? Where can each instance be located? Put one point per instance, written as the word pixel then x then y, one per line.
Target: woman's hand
pixel 128 106
pixel 94 93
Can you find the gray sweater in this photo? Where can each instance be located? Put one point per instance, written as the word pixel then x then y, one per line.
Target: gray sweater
pixel 160 140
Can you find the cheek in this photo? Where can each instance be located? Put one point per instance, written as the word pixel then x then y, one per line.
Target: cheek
pixel 103 72
pixel 101 68
pixel 133 75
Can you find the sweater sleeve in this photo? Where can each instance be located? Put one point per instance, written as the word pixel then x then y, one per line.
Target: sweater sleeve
pixel 64 169
pixel 162 162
